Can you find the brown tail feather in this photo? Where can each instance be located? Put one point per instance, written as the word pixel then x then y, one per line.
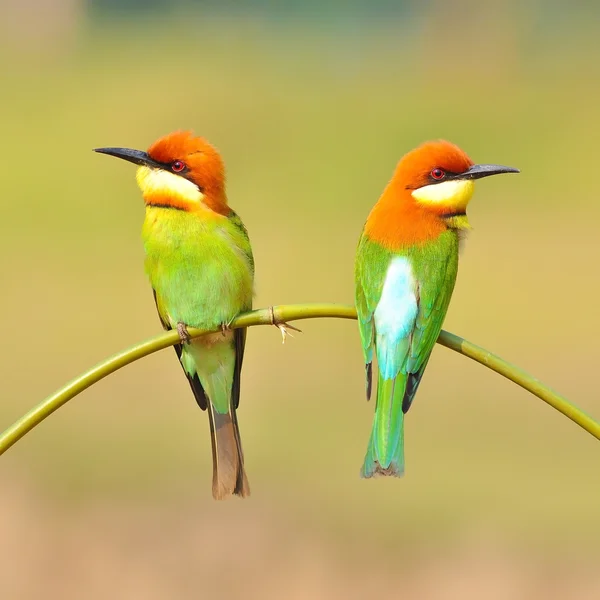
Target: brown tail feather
pixel 229 476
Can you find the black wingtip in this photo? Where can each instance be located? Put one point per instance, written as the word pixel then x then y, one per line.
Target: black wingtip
pixel 369 374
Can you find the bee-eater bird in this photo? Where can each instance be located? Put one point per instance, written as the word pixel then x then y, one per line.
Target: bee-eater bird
pixel 405 269
pixel 201 269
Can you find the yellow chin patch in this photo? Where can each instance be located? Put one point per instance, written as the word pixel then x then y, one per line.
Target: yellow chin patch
pixel 157 182
pixel 448 194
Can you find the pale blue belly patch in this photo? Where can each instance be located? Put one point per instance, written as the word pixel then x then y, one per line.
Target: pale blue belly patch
pixel 395 317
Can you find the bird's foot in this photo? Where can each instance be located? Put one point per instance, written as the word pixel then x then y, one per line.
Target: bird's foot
pixel 284 328
pixel 184 336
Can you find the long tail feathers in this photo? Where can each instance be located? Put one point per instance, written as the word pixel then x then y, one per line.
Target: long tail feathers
pixel 229 476
pixel 385 453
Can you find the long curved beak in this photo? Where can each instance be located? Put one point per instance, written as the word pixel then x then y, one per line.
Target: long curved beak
pixel 479 171
pixel 135 156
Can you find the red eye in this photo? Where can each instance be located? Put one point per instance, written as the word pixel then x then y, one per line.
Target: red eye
pixel 178 166
pixel 438 174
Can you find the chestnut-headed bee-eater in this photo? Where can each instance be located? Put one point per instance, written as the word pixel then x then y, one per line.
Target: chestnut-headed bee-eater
pixel 406 266
pixel 201 269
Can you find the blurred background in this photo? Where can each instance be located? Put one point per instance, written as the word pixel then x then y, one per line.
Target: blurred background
pixel 311 104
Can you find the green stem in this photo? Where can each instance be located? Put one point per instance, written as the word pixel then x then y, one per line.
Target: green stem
pixel 269 316
pixel 520 377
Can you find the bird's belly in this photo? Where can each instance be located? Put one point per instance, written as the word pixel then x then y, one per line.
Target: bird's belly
pixel 202 284
pixel 196 299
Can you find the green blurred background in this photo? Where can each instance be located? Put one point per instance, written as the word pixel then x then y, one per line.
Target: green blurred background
pixel 311 106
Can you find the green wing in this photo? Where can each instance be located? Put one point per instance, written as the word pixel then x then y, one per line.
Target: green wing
pixel 244 242
pixel 436 266
pixel 370 268
pixel 240 334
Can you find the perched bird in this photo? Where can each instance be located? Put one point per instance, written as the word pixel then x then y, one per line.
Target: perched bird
pixel 405 269
pixel 200 266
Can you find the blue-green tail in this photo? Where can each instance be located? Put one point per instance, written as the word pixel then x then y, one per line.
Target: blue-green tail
pixel 385 454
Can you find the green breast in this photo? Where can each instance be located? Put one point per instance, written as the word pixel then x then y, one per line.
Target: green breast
pixel 201 269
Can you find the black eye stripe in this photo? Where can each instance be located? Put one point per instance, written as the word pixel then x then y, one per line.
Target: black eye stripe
pixel 185 172
pixel 448 175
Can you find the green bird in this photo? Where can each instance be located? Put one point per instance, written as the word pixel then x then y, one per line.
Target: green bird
pixel 405 270
pixel 200 265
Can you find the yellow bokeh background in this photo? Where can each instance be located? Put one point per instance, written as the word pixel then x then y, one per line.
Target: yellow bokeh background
pixel 110 498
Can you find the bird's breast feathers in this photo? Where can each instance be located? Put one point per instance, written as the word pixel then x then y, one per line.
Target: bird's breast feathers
pixel 201 271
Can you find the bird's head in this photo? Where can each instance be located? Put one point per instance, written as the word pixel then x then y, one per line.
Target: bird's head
pixel 441 177
pixel 427 195
pixel 179 171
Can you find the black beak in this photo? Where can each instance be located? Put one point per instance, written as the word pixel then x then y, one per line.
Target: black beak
pixel 479 171
pixel 135 156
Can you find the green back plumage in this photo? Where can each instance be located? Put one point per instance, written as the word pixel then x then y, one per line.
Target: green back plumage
pixel 401 361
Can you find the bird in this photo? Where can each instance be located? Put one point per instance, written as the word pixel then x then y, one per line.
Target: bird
pixel 200 265
pixel 405 270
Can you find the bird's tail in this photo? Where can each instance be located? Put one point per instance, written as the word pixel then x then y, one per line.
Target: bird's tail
pixel 385 453
pixel 229 476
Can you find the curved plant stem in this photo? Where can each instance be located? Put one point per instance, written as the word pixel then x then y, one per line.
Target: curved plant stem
pixel 520 377
pixel 273 316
